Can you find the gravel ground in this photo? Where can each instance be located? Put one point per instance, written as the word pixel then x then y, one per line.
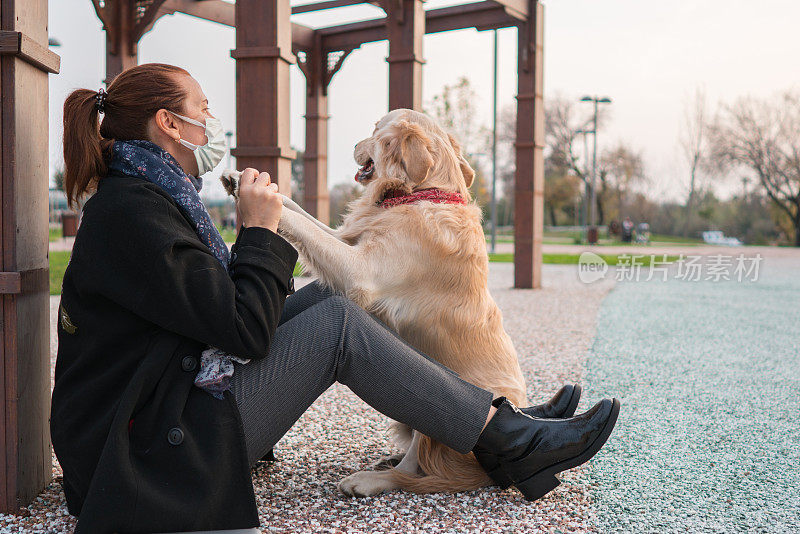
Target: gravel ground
pixel 552 330
pixel 708 374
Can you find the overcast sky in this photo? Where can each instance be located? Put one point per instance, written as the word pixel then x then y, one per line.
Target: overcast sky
pixel 648 56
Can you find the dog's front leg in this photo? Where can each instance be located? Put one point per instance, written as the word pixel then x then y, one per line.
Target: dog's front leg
pixel 337 264
pixel 292 205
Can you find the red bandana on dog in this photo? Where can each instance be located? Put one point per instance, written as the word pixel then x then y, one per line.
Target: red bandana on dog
pixel 398 196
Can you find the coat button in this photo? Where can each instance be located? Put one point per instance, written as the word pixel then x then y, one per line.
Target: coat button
pixel 233 257
pixel 291 285
pixel 175 436
pixel 189 363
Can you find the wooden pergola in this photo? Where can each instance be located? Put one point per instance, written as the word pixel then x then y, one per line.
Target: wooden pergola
pixel 267 43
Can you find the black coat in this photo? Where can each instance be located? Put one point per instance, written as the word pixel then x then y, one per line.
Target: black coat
pixel 142 297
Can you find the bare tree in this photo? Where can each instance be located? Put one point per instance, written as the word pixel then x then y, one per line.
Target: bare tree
pixel 620 168
pixel 455 108
pixel 694 145
pixel 763 135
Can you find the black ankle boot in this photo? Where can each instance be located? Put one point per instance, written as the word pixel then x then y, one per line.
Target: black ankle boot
pixel 528 452
pixel 561 406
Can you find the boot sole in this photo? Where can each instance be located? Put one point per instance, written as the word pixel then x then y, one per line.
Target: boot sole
pixel 538 485
pixel 573 402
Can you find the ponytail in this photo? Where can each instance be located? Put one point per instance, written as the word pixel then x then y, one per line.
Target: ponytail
pixel 83 146
pixel 132 99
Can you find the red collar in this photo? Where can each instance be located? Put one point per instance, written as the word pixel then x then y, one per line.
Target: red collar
pixel 396 197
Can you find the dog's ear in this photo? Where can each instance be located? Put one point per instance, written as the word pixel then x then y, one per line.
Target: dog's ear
pixel 411 148
pixel 466 170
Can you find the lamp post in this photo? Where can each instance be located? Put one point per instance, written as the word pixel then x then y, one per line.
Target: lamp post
pixel 592 233
pixel 494 148
pixel 228 138
pixel 585 200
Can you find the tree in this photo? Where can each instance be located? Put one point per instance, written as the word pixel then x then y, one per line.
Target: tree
pixel 58 179
pixel 621 167
pixel 694 145
pixel 298 173
pixel 340 196
pixel 763 135
pixel 455 110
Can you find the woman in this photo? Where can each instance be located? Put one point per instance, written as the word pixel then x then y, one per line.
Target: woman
pixel 154 430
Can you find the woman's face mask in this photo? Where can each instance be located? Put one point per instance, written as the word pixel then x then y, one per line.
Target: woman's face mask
pixel 210 154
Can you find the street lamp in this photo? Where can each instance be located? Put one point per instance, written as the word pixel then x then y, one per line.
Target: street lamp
pixel 585 200
pixel 228 137
pixel 592 233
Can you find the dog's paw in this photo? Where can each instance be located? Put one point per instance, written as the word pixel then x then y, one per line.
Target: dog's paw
pixel 366 483
pixel 230 181
pixel 387 462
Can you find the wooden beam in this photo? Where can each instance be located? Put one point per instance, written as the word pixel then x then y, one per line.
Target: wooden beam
pixel 330 4
pixel 22 46
pixel 211 10
pixel 225 13
pixel 146 21
pixel 481 15
pixel 516 8
pixel 529 147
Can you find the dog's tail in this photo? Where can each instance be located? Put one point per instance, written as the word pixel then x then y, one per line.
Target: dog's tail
pixel 443 469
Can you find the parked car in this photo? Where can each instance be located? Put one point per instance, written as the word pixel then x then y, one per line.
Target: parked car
pixel 715 237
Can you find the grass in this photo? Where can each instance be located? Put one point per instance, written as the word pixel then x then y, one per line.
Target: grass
pixel 572 259
pixel 60 259
pixel 58 264
pixel 55 233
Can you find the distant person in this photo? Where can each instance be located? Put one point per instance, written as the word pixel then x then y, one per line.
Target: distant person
pixel 613 228
pixel 627 230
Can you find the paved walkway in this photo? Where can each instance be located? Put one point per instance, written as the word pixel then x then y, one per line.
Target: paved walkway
pixel 708 439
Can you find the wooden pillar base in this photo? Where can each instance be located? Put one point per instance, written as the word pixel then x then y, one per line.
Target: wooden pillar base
pixel 529 177
pixel 25 60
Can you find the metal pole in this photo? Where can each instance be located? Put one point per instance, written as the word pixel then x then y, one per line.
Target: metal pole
pixel 494 149
pixel 586 194
pixel 593 209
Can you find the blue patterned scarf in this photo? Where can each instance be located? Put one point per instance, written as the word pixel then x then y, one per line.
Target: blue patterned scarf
pixel 147 160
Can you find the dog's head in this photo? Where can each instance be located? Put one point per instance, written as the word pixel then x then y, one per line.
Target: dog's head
pixel 409 151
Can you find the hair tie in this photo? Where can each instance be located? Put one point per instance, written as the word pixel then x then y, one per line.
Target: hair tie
pixel 100 100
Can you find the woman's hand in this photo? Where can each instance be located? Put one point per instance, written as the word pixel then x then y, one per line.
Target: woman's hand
pixel 259 202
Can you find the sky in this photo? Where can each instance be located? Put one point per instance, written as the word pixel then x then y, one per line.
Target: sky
pixel 648 57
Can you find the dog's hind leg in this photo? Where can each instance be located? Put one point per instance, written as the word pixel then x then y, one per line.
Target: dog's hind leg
pixel 402 436
pixel 410 462
pixel 369 483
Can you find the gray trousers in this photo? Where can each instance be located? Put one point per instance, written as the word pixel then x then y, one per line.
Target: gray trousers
pixel 324 337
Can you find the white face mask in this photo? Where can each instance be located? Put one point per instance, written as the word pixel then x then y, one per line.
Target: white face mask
pixel 210 154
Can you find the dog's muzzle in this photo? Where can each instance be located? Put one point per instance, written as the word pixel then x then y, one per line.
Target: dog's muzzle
pixel 365 172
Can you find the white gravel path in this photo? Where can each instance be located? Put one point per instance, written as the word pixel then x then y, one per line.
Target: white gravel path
pixel 708 374
pixel 552 329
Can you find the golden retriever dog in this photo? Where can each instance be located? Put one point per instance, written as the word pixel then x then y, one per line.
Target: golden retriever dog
pixel 411 250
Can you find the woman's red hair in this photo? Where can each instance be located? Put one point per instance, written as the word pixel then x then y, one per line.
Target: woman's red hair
pixel 133 98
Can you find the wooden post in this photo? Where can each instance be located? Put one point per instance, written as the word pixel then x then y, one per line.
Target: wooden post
pixel 25 60
pixel 121 50
pixel 405 28
pixel 263 55
pixel 316 200
pixel 529 177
